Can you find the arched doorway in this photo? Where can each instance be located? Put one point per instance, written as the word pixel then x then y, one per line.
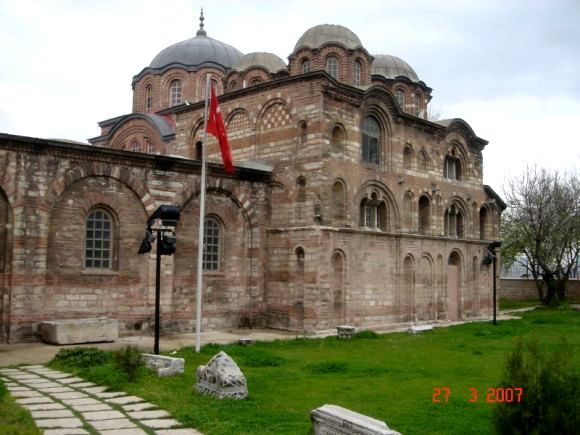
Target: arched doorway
pixel 5 266
pixel 454 286
pixel 337 281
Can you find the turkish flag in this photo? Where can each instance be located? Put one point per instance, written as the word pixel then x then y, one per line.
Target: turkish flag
pixel 216 127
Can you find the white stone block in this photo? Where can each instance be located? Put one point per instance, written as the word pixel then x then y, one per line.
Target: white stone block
pixel 335 420
pixel 78 331
pixel 419 329
pixel 164 365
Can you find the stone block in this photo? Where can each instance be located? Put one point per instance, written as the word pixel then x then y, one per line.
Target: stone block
pixel 335 420
pixel 78 331
pixel 246 341
pixel 164 365
pixel 222 377
pixel 345 331
pixel 418 329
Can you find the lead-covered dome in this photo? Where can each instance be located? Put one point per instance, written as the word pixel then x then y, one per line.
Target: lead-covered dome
pixel 392 67
pixel 269 61
pixel 197 51
pixel 323 33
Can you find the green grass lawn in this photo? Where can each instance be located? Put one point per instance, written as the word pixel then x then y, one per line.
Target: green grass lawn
pixel 14 420
pixel 390 378
pixel 509 304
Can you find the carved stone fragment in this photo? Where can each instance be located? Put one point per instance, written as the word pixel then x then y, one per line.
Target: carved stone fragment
pixel 335 420
pixel 222 377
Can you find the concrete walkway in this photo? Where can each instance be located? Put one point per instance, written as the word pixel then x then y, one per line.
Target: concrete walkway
pixel 62 404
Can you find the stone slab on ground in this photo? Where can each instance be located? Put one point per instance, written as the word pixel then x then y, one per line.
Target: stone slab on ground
pixel 70 380
pixel 58 423
pixel 31 400
pixel 83 385
pixel 138 406
pixel 118 423
pixel 124 400
pixel 30 393
pixel 143 415
pixel 48 385
pixel 71 395
pixel 56 375
pixel 76 431
pixel 134 431
pixel 76 402
pixel 94 390
pixel 110 395
pixel 60 413
pixel 164 365
pixel 91 408
pixel 417 329
pixel 77 331
pixel 13 388
pixel 178 432
pixel 43 406
pixel 336 420
pixel 160 423
pixel 53 390
pixel 102 415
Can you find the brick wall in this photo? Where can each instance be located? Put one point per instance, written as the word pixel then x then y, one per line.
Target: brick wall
pixel 520 289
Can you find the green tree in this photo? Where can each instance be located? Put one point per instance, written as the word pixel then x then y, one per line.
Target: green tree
pixel 541 228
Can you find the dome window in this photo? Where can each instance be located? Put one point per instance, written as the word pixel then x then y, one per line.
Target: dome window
pixel 332 67
pixel 306 66
pixel 400 96
pixel 148 99
pixel 357 73
pixel 175 93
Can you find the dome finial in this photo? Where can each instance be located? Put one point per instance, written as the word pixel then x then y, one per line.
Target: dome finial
pixel 201 32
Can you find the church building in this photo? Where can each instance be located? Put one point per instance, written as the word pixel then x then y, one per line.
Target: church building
pixel 348 205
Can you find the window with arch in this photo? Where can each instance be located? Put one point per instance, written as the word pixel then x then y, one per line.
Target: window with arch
pixel 198 150
pixel 149 147
pixel 338 201
pixel 255 82
pixel 212 237
pixel 483 224
pixel 215 85
pixel 358 73
pixel 408 157
pixel 332 66
pixel 300 198
pixel 400 96
pixel 99 240
pixel 233 86
pixel 452 167
pixel 148 99
pixel 135 146
pixel 303 132
pixel 373 213
pixel 371 139
pixel 423 160
pixel 415 104
pixel 454 222
pixel 338 137
pixel 175 93
pixel 424 215
pixel 306 65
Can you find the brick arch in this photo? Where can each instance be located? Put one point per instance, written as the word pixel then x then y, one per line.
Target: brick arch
pixel 386 193
pixel 247 207
pixel 136 129
pixel 122 175
pixel 267 107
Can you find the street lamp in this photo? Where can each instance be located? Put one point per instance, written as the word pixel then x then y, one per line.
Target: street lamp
pixel 166 245
pixel 491 258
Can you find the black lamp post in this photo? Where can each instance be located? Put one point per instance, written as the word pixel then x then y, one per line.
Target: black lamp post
pixel 166 244
pixel 491 258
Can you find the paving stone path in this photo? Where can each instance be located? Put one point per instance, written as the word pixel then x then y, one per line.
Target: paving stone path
pixel 62 404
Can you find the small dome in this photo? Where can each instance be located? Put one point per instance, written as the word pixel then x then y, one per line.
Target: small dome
pixel 323 33
pixel 270 61
pixel 197 51
pixel 392 67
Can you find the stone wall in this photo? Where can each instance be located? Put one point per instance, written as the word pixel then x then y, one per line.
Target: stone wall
pixel 521 289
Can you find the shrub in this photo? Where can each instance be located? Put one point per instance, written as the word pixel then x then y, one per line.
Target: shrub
pixel 129 360
pixel 3 390
pixel 80 357
pixel 366 334
pixel 551 400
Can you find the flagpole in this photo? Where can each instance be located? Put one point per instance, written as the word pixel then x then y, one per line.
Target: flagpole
pixel 201 225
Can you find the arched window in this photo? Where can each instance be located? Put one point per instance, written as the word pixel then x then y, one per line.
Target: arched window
pixel 452 167
pixel 198 150
pixel 357 73
pixel 423 160
pixel 300 199
pixel 338 201
pixel 454 222
pixel 255 82
pixel 408 157
pixel 233 86
pixel 149 147
pixel 373 213
pixel 306 65
pixel 424 215
pixel 483 232
pixel 175 93
pixel 337 138
pixel 303 127
pixel 371 139
pixel 148 99
pixel 332 66
pixel 211 244
pixel 99 240
pixel 215 85
pixel 135 146
pixel 400 96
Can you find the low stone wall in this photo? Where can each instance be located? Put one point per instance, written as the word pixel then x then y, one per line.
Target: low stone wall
pixel 520 289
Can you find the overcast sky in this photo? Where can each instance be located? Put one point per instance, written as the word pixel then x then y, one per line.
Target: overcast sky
pixel 510 68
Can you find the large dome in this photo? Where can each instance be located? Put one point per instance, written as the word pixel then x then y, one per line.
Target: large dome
pixel 392 67
pixel 270 61
pixel 197 51
pixel 323 33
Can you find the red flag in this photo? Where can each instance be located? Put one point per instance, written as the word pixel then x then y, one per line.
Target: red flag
pixel 216 127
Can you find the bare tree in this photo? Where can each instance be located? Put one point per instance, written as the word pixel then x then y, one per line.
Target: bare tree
pixel 541 228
